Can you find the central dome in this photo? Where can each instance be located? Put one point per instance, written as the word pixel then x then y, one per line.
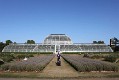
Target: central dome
pixel 57 39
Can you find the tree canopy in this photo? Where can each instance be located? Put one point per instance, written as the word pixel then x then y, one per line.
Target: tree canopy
pixel 98 42
pixel 2 45
pixel 8 42
pixel 30 42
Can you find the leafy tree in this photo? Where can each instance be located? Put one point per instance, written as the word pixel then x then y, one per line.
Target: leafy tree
pixel 116 48
pixel 30 42
pixel 95 42
pixel 8 42
pixel 2 45
pixel 115 43
pixel 100 42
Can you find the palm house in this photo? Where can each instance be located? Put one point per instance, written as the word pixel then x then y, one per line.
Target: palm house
pixel 57 42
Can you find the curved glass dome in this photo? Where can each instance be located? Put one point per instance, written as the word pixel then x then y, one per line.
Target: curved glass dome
pixel 57 39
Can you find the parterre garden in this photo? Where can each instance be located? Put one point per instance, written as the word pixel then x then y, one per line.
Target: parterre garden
pixel 88 65
pixel 32 64
pixel 17 63
pixel 81 62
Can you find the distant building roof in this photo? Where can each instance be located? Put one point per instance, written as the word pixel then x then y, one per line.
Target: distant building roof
pixel 57 39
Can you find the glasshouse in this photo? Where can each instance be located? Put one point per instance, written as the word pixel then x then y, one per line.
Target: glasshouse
pixel 57 42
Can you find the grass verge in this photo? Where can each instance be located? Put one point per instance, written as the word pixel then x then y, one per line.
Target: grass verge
pixel 40 75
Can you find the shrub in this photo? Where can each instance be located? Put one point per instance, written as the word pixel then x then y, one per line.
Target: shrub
pixel 46 53
pixel 1 62
pixel 7 57
pixel 86 55
pixel 21 56
pixel 70 53
pixel 87 65
pixel 110 58
pixel 30 55
pixel 32 64
pixel 96 56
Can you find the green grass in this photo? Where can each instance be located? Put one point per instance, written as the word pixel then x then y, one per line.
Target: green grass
pixel 40 75
pixel 99 75
pixel 18 75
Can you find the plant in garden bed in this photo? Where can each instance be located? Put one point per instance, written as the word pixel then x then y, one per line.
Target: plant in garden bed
pixel 32 64
pixel 111 57
pixel 6 57
pixel 97 56
pixel 22 56
pixel 88 65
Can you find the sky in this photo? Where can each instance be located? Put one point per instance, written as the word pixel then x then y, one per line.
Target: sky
pixel 84 21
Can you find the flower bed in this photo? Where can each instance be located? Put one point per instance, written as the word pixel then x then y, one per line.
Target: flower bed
pixel 32 64
pixel 88 65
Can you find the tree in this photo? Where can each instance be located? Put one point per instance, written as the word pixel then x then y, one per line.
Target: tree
pixel 100 42
pixel 8 42
pixel 95 42
pixel 116 48
pixel 2 45
pixel 30 42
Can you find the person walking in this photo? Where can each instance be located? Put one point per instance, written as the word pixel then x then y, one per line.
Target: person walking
pixel 58 60
pixel 58 56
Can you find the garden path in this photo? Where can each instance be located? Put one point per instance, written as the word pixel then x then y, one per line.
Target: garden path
pixel 65 70
pixel 60 79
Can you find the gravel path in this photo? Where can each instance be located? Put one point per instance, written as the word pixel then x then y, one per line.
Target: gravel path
pixel 65 70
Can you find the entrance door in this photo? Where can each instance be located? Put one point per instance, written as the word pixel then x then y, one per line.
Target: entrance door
pixel 57 49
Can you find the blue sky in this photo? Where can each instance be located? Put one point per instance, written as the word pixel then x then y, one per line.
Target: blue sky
pixel 82 20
